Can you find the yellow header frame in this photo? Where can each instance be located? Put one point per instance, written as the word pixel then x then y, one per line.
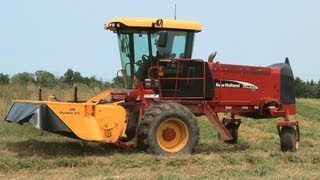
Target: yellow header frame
pixel 127 22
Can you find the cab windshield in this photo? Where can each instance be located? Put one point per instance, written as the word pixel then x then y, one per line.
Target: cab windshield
pixel 139 50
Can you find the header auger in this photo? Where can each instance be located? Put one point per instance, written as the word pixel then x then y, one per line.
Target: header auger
pixel 165 89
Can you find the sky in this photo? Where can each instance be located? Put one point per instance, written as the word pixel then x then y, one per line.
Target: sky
pixel 55 35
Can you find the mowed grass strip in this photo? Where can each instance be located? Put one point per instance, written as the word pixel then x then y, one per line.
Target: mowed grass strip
pixel 26 152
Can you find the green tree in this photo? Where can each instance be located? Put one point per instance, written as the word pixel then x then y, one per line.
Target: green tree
pixel 4 79
pixel 318 90
pixel 309 91
pixel 23 78
pixel 45 78
pixel 93 81
pixel 318 93
pixel 118 82
pixel 77 78
pixel 299 87
pixel 71 77
pixel 106 84
pixel 68 77
pixel 311 82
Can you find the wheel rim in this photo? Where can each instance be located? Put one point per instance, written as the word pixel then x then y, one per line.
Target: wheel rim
pixel 172 135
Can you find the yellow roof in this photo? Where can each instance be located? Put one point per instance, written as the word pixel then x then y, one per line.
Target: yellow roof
pixel 150 23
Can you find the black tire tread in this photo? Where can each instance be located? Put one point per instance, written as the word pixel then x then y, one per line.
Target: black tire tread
pixel 132 124
pixel 288 139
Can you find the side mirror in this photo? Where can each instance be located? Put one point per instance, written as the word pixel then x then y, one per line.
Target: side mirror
pixel 122 75
pixel 163 38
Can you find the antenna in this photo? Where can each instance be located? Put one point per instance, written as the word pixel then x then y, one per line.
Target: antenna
pixel 175 11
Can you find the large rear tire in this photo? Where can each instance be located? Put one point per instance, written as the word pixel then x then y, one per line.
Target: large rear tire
pixel 132 124
pixel 168 128
pixel 288 139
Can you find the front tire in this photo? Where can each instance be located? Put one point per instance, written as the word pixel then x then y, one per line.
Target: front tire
pixel 168 128
pixel 288 139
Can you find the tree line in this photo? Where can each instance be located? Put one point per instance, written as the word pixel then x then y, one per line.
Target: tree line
pixel 303 89
pixel 307 89
pixel 46 79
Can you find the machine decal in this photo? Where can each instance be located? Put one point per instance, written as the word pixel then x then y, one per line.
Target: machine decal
pixel 245 107
pixel 69 113
pixel 151 96
pixel 235 84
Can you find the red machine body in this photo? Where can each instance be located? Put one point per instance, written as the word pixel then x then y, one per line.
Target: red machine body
pixel 158 68
pixel 243 88
pixel 208 88
pixel 238 89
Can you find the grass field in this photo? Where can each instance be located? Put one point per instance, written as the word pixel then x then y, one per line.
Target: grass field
pixel 26 152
